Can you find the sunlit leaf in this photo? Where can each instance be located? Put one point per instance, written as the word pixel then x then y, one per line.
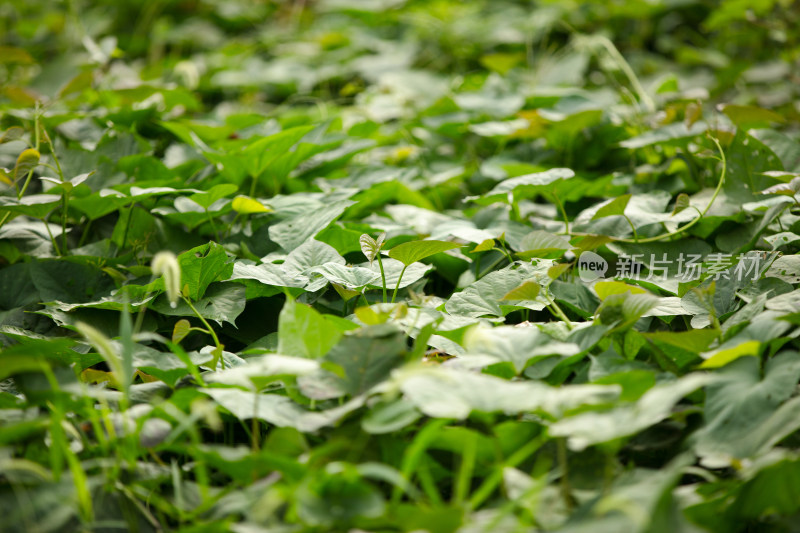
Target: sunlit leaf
pixel 26 162
pixel 411 252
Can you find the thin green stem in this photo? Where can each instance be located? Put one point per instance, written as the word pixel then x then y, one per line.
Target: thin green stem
pixel 516 211
pixel 394 294
pixel 694 221
pixel 255 430
pixel 415 452
pixel 633 228
pixel 51 167
pixel 566 490
pixel 65 206
pixel 213 226
pixel 55 159
pixel 628 71
pixel 494 479
pixel 504 250
pixel 253 187
pixel 428 483
pixel 563 211
pixel 556 310
pixel 127 226
pixel 230 226
pixel 491 267
pixel 383 275
pixel 209 329
pixel 50 233
pixel 464 478
pixel 85 234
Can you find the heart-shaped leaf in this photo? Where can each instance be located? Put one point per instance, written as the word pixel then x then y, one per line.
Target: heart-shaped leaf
pixel 411 252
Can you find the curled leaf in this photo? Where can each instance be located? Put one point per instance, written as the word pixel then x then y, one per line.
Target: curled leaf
pixel 12 134
pixel 181 329
pixel 26 161
pixel 370 247
pixel 681 203
pixel 247 206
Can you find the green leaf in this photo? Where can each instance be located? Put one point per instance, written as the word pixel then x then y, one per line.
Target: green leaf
pixel 32 205
pixel 604 289
pixel 337 494
pixel 487 295
pixel 63 281
pixel 26 162
pixel 392 268
pixel 614 207
pixel 181 330
pixel 12 134
pixel 264 152
pixel 293 232
pixel 673 133
pixel 540 243
pixel 528 185
pixel 411 252
pixel 484 246
pixel 222 302
pixel 277 410
pixel 370 247
pixel 723 356
pixel 682 347
pixel 21 359
pixel 351 277
pixel 345 293
pixel 623 310
pixel 261 370
pixel 365 357
pixel 772 491
pixel 303 259
pixel 521 346
pixel 451 393
pixel 681 202
pixel 529 290
pixel 248 206
pixel 303 332
pixel 217 192
pixel 202 266
pixel 655 405
pixel 388 417
pixel 746 412
pixel 746 116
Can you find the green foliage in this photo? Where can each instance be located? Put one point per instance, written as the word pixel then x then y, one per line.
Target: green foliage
pixel 587 214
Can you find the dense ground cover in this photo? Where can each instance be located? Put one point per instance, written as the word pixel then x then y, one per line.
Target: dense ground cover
pixel 397 265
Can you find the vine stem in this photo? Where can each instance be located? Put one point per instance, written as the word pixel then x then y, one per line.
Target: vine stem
pixel 209 329
pixel 399 279
pixel 566 490
pixel 383 275
pixel 499 260
pixel 554 307
pixel 682 229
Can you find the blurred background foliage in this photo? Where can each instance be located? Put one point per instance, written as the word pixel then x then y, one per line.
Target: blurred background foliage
pixel 337 48
pixel 409 107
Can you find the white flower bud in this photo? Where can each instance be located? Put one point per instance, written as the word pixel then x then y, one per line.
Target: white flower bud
pixel 166 264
